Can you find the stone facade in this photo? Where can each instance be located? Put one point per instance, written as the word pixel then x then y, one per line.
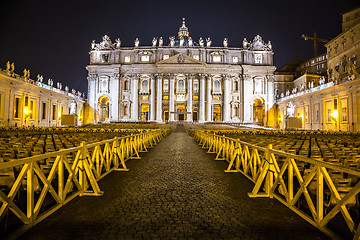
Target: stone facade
pixel 184 81
pixel 331 102
pixel 25 102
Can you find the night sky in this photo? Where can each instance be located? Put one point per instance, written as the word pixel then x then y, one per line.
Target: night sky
pixel 53 37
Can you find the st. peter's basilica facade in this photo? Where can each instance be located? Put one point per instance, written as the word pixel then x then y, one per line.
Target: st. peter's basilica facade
pixel 184 80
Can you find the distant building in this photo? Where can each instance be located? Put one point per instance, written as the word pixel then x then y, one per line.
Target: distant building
pixel 297 75
pixel 183 80
pixel 330 103
pixel 25 102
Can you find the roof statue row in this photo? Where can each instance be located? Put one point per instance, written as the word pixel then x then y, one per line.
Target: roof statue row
pixel 182 40
pixel 9 70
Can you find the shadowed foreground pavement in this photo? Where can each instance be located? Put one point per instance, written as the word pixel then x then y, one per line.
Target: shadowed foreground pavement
pixel 176 191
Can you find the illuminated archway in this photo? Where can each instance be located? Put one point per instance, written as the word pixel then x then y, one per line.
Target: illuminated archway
pixel 166 116
pixel 216 112
pixel 259 111
pixel 103 109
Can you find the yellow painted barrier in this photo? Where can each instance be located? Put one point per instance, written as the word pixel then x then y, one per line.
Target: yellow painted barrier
pixel 72 172
pixel 307 186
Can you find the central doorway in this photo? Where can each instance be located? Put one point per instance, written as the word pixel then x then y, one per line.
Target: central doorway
pixel 144 112
pixel 180 109
pixel 216 112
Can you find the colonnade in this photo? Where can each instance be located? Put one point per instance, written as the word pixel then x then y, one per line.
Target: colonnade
pixel 205 91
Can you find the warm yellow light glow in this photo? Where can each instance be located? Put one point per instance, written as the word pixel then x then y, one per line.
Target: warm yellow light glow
pixel 26 111
pixel 334 114
pixel 59 114
pixel 281 118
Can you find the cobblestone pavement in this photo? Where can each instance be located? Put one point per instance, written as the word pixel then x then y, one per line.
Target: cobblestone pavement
pixel 176 191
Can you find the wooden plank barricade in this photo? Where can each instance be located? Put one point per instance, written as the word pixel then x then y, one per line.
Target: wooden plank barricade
pixel 73 172
pixel 307 186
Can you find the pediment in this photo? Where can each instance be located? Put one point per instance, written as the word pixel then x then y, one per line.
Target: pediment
pixel 180 59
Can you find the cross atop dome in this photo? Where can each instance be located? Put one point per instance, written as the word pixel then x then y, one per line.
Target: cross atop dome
pixel 183 30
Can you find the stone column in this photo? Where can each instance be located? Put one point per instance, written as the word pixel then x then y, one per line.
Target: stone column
pixel 189 99
pixel 135 98
pixel 171 98
pixel 152 98
pixel 208 99
pixel 202 99
pixel 159 99
pixel 226 101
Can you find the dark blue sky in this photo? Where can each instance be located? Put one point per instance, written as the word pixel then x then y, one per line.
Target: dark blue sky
pixel 53 37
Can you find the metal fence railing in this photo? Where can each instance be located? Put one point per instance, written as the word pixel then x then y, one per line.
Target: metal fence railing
pixel 33 188
pixel 324 194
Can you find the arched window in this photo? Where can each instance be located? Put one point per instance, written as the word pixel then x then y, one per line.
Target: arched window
pixel 145 85
pixel 181 85
pixel 216 85
pixel 126 85
pixel 236 86
pixel 166 85
pixel 196 86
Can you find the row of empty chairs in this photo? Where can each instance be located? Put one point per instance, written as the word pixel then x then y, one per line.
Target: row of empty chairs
pixel 19 143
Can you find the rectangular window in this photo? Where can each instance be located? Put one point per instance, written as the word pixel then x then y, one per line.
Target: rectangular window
pixel 54 112
pixel 196 86
pixel 43 116
pixel 216 98
pixel 145 97
pixel 17 107
pixel 196 57
pixel 165 57
pixel 195 97
pixel 317 113
pixel 145 58
pixel 105 58
pixel 32 109
pixel 216 58
pixel 165 97
pixel 329 115
pixel 127 59
pixel 258 58
pixel 166 86
pixel 344 110
pixel 344 114
pixel 235 59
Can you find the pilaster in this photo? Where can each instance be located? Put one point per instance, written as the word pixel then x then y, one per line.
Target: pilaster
pixel 202 99
pixel 159 98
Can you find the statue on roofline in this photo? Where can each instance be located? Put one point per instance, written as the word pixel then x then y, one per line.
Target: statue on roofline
pixel 8 66
pixel 225 42
pixel 172 41
pixel 93 44
pixel 12 67
pixel 181 41
pixel 117 43
pixel 201 42
pixel 190 42
pixel 137 42
pixel 154 41
pixel 160 42
pixel 245 43
pixel 208 42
